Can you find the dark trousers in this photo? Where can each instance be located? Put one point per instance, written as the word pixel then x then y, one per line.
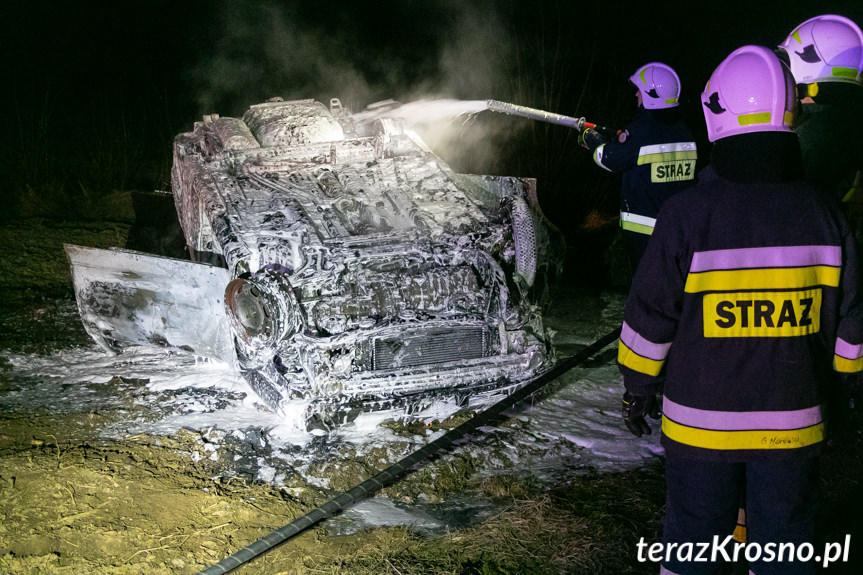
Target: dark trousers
pixel 703 497
pixel 635 244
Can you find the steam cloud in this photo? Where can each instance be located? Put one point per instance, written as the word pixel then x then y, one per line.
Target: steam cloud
pixel 363 55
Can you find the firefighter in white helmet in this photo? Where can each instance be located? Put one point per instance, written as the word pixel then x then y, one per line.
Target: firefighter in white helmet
pixel 655 154
pixel 746 305
pixel 825 54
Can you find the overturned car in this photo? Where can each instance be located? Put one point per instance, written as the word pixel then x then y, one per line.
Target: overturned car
pixel 339 264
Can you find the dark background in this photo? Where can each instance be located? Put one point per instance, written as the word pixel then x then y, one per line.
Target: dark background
pixel 94 92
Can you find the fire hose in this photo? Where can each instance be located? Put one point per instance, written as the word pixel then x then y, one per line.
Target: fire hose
pixel 541 115
pixel 402 467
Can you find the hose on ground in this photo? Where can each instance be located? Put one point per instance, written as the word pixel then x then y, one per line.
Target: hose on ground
pixel 395 471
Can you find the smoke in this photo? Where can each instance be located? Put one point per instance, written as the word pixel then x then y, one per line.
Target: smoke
pixel 362 53
pixel 475 62
pixel 258 50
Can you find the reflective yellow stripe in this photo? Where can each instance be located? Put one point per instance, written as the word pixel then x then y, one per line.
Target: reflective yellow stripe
pixel 667 157
pixel 853 195
pixel 637 362
pixel 763 279
pixel 844 365
pixel 763 118
pixel 759 118
pixel 845 72
pixel 635 223
pixel 637 228
pixel 757 439
pixel 597 158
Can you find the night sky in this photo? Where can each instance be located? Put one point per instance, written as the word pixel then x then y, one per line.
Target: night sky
pixel 96 91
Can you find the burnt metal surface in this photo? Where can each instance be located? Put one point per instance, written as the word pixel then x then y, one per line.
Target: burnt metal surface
pixel 131 298
pixel 361 271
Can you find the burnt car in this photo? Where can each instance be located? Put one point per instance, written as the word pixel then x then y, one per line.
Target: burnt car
pixel 338 263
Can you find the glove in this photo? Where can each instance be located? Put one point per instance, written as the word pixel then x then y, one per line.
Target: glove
pixel 581 136
pixel 590 139
pixel 635 407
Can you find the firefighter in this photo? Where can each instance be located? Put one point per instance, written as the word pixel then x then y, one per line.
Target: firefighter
pixel 825 54
pixel 746 304
pixel 655 154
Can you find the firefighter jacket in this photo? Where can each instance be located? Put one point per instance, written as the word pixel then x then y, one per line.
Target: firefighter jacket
pixel 655 156
pixel 745 303
pixel 829 130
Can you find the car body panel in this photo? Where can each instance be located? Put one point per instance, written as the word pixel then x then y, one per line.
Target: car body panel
pixel 360 270
pixel 130 298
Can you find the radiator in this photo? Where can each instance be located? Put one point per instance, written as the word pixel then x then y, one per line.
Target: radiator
pixel 435 345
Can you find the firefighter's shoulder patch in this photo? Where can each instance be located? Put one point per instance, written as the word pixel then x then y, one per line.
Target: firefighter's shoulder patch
pixel 622 135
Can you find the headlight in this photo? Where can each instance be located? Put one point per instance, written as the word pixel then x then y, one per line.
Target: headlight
pixel 262 310
pixel 251 312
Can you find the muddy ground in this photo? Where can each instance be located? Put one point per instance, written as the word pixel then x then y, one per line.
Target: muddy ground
pixel 73 502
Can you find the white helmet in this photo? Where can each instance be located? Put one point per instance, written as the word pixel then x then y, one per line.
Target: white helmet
pixel 658 84
pixel 825 48
pixel 750 91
